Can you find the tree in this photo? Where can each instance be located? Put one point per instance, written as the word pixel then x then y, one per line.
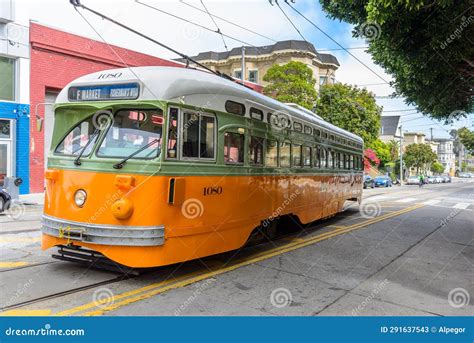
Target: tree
pixel 291 82
pixel 423 44
pixel 350 108
pixel 437 168
pixel 418 156
pixel 393 147
pixel 382 151
pixel 466 137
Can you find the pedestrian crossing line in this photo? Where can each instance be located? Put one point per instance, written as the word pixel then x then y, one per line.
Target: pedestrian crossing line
pixel 462 205
pixel 432 202
pixel 406 200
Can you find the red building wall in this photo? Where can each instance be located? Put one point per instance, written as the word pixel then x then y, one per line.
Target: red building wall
pixel 58 58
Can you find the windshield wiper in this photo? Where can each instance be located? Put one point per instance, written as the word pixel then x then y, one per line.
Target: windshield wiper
pixel 120 164
pixel 77 161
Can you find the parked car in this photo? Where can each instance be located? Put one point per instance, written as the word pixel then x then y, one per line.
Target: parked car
pixel 5 200
pixel 413 180
pixel 430 179
pixel 439 179
pixel 383 181
pixel 368 182
pixel 446 178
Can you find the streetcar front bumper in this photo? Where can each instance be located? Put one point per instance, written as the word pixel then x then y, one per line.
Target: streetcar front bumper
pixel 104 234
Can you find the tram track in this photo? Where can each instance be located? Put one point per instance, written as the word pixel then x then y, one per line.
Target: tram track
pixel 27 266
pixel 172 282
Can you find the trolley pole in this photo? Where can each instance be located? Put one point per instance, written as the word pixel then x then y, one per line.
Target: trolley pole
pixel 242 70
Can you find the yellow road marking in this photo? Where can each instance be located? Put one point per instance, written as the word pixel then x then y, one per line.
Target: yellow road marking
pixel 12 264
pixel 26 313
pixel 163 286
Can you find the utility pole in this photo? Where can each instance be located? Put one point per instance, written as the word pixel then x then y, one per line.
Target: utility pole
pixel 401 156
pixel 242 70
pixel 431 129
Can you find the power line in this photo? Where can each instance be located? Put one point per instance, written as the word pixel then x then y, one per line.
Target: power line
pixel 217 26
pixel 288 18
pixel 338 49
pixel 77 3
pixel 229 22
pixel 193 23
pixel 403 110
pixel 332 39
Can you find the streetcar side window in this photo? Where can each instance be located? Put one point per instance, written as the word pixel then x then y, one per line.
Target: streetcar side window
pixel 172 145
pixel 330 159
pixel 317 157
pixel 198 136
pixel 271 156
pixel 323 158
pixel 351 162
pixel 285 154
pixel 296 155
pixel 235 107
pixel 256 145
pixel 307 156
pixel 233 148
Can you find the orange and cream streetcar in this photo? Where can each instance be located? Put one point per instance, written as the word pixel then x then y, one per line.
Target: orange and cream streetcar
pixel 151 166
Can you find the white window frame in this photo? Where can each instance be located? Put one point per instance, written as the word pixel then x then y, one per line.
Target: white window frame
pixel 16 79
pixel 248 76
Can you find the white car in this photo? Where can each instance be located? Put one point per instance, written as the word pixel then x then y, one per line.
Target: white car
pixel 413 180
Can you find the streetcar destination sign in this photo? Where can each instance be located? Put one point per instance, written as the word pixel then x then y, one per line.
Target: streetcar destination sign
pixel 127 91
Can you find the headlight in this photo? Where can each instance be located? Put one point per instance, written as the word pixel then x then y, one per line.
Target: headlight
pixel 80 197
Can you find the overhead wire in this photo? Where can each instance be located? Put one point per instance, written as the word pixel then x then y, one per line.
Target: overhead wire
pixel 194 23
pixel 288 18
pixel 336 42
pixel 217 26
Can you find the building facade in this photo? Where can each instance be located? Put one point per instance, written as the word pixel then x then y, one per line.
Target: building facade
pixel 14 96
pixel 446 154
pixel 389 128
pixel 259 59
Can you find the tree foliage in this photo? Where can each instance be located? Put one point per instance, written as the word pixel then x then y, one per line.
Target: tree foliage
pixel 382 151
pixel 393 147
pixel 437 167
pixel 466 137
pixel 350 108
pixel 425 45
pixel 418 156
pixel 291 82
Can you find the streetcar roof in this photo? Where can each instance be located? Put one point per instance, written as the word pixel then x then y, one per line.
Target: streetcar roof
pixel 196 88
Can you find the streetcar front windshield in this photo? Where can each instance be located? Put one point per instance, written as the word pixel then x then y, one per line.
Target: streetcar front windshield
pixel 77 139
pixel 132 130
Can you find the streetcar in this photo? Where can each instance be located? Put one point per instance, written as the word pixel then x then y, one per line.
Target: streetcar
pixel 151 166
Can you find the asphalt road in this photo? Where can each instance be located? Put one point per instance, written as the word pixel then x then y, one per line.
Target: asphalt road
pixel 405 251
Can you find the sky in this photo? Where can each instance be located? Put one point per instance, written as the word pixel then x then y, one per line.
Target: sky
pixel 257 15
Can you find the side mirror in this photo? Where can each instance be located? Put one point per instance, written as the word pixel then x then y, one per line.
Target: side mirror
pixel 39 124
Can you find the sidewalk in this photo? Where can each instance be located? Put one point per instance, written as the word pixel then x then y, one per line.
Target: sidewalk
pixel 32 199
